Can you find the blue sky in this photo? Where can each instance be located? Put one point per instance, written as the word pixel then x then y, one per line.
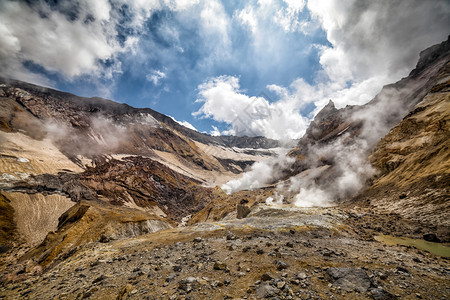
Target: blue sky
pixel 230 67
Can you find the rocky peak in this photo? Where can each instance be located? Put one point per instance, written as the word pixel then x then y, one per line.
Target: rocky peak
pixel 328 110
pixel 430 55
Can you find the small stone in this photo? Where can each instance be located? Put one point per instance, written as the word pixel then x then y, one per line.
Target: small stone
pixel 302 276
pixel 295 281
pixel 260 251
pixel 104 239
pixel 198 240
pixel 188 284
pixel 242 211
pixel 239 266
pixel 281 265
pixel 177 268
pixel 231 237
pixel 98 279
pixel 216 283
pixel 281 284
pixel 403 270
pixel 431 237
pixel 265 291
pixel 266 277
pixel 290 245
pixel 381 294
pixel 170 277
pixel 350 278
pixel 220 265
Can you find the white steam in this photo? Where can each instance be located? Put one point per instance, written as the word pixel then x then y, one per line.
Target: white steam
pixel 313 196
pixel 261 173
pixel 337 169
pixel 322 185
pixel 102 135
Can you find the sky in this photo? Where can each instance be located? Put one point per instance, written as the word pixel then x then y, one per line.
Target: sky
pixel 257 67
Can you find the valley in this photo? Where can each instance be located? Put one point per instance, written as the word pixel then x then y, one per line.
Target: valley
pixel 102 200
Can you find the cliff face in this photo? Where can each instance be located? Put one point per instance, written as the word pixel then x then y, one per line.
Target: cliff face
pixel 387 109
pixel 403 133
pixel 413 160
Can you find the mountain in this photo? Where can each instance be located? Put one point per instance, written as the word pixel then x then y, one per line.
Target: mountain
pixel 97 149
pixel 102 200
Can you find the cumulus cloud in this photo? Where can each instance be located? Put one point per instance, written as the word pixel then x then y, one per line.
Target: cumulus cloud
pixel 72 38
pixel 49 38
pixel 223 101
pixel 370 38
pixel 371 44
pixel 215 27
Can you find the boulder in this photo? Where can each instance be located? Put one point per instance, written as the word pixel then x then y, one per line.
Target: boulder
pixel 353 279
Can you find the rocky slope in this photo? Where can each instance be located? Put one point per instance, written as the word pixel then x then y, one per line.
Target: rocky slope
pixel 85 128
pixel 284 253
pixel 404 126
pixel 57 149
pixel 414 161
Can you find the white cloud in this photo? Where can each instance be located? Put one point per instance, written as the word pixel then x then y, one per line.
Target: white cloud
pixel 54 42
pixel 215 131
pixel 155 77
pixel 375 42
pixel 289 18
pixel 260 16
pixel 252 116
pixel 214 30
pixel 50 37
